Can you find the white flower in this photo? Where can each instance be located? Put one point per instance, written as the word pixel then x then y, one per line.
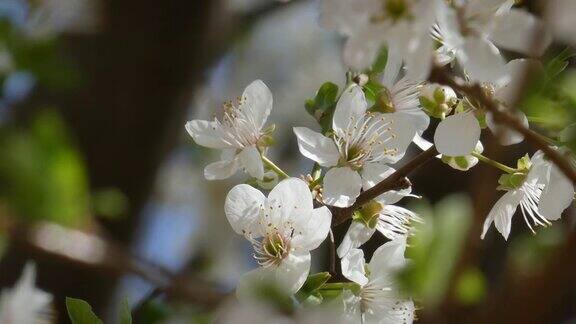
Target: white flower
pixel 24 303
pixel 238 134
pixel 473 32
pixel 379 215
pixel 557 194
pixel 541 177
pixel 282 228
pixel 458 134
pixel 359 138
pixel 379 300
pixel 401 25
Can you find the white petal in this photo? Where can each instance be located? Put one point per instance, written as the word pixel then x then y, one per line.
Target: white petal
pixel 353 267
pixel 252 162
pixel 388 257
pixel 360 50
pixel 392 69
pixel 242 207
pixel 314 231
pixel 341 187
pixel 317 147
pixel 515 30
pixel 422 143
pixel 356 235
pixel 376 172
pixel 206 133
pixel 502 212
pixel 293 271
pixel 290 200
pixel 482 60
pixel 457 135
pixel 221 170
pixel 352 105
pixel 506 135
pixel 402 130
pixel 257 100
pixel 557 195
pixel 419 57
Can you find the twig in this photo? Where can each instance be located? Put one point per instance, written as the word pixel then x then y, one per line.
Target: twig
pixel 475 91
pixel 394 181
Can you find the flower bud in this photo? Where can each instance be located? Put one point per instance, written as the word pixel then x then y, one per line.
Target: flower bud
pixel 463 163
pixel 436 100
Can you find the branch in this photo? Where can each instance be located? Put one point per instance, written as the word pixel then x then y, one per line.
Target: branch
pixel 394 181
pixel 93 251
pixel 474 91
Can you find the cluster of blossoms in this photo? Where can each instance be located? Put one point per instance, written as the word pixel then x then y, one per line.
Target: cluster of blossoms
pixel 371 124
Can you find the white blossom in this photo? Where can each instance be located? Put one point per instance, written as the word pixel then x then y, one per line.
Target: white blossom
pixel 542 196
pixel 282 228
pixel 379 300
pixel 360 138
pixel 401 25
pixel 473 32
pixel 24 303
pixel 238 134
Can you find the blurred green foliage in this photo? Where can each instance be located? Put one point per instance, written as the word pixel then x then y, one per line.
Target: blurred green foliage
pixel 550 99
pixel 435 248
pixel 40 56
pixel 42 176
pixel 110 203
pixel 530 252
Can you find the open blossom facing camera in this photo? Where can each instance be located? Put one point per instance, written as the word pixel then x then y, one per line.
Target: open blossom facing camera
pixel 282 228
pixel 360 138
pixel 401 25
pixel 239 134
pixel 24 303
pixel 378 300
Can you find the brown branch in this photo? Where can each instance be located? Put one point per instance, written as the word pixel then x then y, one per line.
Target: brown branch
pixel 394 181
pixel 502 116
pixel 45 240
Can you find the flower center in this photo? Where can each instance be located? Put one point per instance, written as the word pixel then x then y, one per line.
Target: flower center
pixel 238 127
pixel 272 249
pixel 392 10
pixel 384 102
pixel 365 140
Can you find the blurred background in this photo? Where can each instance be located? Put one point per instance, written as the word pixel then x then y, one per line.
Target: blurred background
pixel 101 186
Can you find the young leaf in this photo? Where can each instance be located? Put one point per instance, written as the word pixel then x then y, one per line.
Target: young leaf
pixel 80 312
pixel 125 312
pixel 312 284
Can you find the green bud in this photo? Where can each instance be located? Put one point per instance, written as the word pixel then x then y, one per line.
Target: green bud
pixel 524 163
pixel 511 181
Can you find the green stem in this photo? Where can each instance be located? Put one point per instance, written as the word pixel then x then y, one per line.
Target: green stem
pixel 274 168
pixel 493 163
pixel 339 286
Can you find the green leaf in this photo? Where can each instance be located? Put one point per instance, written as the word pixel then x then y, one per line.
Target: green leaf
pixel 125 312
pixel 326 96
pixel 312 284
pixel 380 63
pixel 80 312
